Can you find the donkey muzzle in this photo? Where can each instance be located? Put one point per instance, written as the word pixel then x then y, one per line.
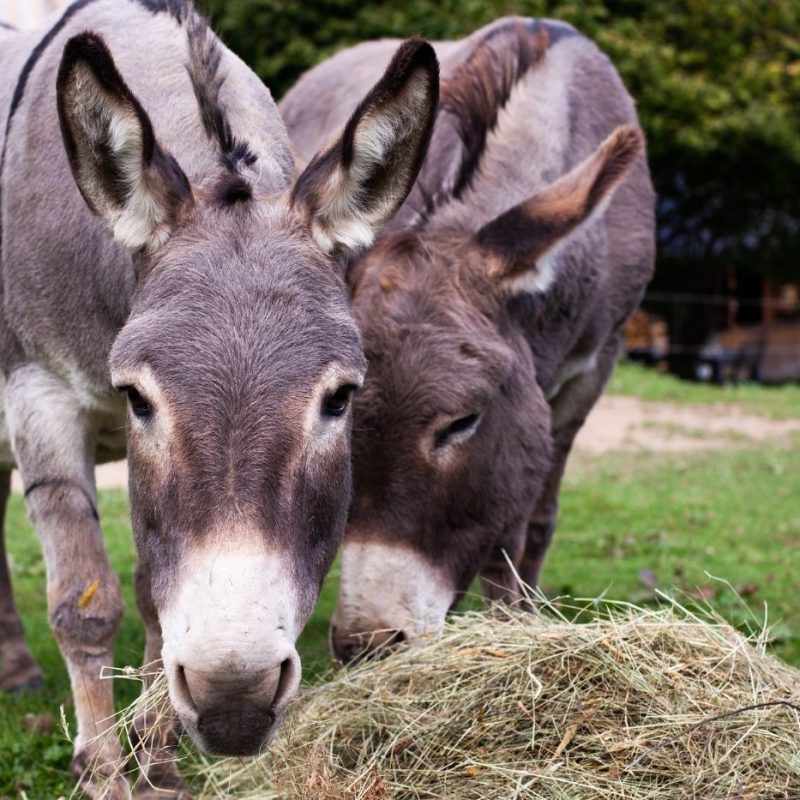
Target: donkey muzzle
pixel 349 648
pixel 231 712
pixel 388 594
pixel 229 652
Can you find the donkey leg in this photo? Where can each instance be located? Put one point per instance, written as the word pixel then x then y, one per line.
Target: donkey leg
pixel 52 441
pixel 543 522
pixel 570 409
pixel 499 581
pixel 18 668
pixel 156 731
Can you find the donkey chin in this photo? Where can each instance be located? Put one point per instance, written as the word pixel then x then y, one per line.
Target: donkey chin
pixel 388 594
pixel 229 652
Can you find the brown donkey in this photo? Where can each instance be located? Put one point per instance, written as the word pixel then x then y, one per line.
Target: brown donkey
pixel 166 250
pixel 490 309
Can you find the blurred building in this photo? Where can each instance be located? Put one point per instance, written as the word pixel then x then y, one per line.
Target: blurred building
pixel 29 13
pixel 746 327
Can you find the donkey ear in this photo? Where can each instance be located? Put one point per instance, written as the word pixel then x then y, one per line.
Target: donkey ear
pixel 357 184
pixel 138 190
pixel 527 237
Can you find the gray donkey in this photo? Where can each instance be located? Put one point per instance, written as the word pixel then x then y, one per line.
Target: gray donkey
pixel 156 240
pixel 490 308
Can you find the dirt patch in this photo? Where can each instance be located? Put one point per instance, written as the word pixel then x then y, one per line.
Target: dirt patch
pixel 108 476
pixel 629 424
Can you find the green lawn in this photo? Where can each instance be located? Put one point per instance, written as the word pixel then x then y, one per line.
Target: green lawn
pixel 627 523
pixel 38 763
pixel 777 402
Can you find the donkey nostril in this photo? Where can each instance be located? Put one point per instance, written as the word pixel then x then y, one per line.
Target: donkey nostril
pixel 286 683
pixel 346 649
pixel 398 637
pixel 383 642
pixel 181 690
pixel 352 648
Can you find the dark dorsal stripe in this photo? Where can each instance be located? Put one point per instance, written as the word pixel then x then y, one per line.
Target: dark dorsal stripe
pixel 179 9
pixel 205 60
pixel 36 54
pixel 22 82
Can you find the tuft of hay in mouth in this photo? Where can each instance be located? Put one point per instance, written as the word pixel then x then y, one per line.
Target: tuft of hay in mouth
pixel 635 704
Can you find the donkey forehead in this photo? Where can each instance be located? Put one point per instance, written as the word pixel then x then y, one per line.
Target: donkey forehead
pixel 424 370
pixel 429 275
pixel 244 306
pixel 257 229
pixel 421 329
pixel 263 340
pixel 257 245
pixel 224 337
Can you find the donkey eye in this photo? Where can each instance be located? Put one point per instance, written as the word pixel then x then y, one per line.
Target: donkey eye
pixel 336 404
pixel 139 406
pixel 458 428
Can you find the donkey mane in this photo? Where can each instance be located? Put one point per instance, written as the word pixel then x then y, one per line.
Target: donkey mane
pixel 205 55
pixel 478 89
pixel 472 96
pixel 179 9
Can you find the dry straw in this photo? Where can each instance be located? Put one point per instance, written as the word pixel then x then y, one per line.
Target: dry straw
pixel 636 704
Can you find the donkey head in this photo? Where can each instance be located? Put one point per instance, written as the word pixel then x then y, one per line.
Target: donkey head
pixel 451 439
pixel 238 360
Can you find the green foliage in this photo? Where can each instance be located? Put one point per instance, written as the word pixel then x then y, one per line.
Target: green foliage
pixel 717 84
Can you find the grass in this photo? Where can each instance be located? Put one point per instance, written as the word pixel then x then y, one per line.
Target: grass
pixel 628 523
pixel 631 525
pixel 38 763
pixel 776 402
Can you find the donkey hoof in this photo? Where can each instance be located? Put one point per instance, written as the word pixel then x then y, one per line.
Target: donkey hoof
pixel 154 793
pixel 172 789
pixel 98 772
pixel 21 683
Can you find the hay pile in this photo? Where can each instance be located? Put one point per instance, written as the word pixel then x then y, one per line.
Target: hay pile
pixel 510 706
pixel 636 704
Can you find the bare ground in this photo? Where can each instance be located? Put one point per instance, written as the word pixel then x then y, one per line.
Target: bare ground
pixel 621 423
pixel 629 424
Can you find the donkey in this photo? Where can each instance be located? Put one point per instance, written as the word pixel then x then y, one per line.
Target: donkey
pixel 490 309
pixel 159 253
